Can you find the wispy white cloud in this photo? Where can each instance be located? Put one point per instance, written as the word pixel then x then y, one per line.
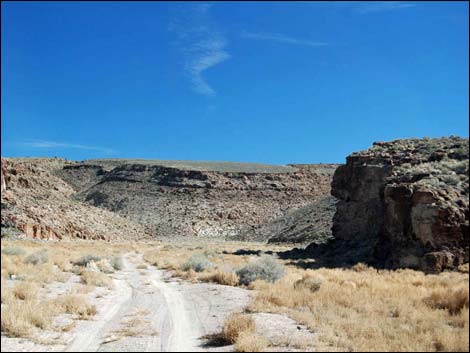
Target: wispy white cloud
pixel 63 145
pixel 365 7
pixel 382 6
pixel 281 38
pixel 202 45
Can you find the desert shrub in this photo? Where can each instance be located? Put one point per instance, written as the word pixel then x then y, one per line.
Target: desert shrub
pixel 96 279
pixel 18 317
pixel 13 251
pixel 117 263
pixel 37 258
pixel 463 268
pixel 13 325
pixel 6 292
pixel 452 300
pixel 151 257
pixel 104 266
pixel 25 291
pixel 228 278
pixel 197 262
pixel 77 305
pixel 251 342
pixel 237 324
pixel 266 268
pixel 310 283
pixel 85 260
pixel 360 267
pixel 451 179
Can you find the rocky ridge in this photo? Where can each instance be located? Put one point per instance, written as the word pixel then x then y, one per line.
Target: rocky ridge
pixel 37 204
pixel 204 200
pixel 108 199
pixel 403 203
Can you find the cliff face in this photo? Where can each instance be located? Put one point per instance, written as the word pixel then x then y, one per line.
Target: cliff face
pixel 405 204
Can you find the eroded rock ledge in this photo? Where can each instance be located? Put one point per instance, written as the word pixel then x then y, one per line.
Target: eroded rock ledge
pixel 403 203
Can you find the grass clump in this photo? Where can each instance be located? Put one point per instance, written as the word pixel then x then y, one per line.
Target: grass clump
pixel 97 279
pixel 104 266
pixel 76 305
pixel 197 263
pixel 13 251
pixel 85 260
pixel 25 291
pixel 227 278
pixel 266 268
pixel 235 325
pixel 37 258
pixel 19 317
pixel 251 342
pixel 452 300
pixel 309 283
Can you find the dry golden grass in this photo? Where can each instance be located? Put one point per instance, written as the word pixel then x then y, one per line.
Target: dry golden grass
pixel 152 257
pixel 452 300
pixel 25 291
pixel 76 305
pixel 237 324
pixel 309 283
pixel 19 317
pixel 97 279
pixel 251 342
pixel 381 311
pixel 221 277
pixel 142 267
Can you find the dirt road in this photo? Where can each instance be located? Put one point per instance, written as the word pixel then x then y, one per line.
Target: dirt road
pixel 149 312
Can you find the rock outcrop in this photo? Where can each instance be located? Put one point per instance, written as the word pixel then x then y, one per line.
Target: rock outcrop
pixel 403 203
pixel 38 204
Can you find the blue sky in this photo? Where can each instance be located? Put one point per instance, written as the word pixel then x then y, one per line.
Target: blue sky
pixel 265 82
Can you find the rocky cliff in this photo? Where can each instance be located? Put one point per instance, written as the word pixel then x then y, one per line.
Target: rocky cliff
pixel 403 204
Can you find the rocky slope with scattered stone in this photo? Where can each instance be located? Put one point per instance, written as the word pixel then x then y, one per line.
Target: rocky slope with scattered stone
pixel 403 203
pixel 103 199
pixel 37 204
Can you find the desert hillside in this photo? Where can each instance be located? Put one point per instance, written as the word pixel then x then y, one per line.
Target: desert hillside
pixel 161 199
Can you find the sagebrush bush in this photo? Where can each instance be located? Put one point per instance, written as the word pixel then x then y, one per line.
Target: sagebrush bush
pixel 266 268
pixel 117 263
pixel 13 250
pixel 197 262
pixel 37 258
pixel 85 260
